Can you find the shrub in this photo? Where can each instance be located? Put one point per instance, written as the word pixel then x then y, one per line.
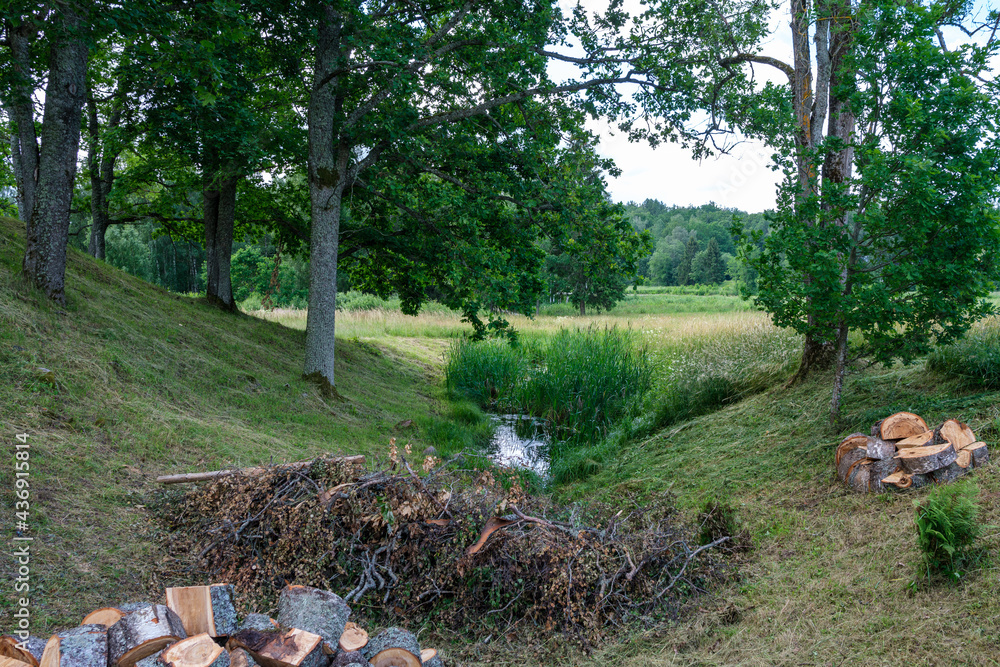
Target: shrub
pixel 947 530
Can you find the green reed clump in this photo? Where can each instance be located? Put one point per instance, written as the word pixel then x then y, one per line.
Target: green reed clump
pixel 487 371
pixel 975 359
pixel 947 530
pixel 586 381
pixel 581 382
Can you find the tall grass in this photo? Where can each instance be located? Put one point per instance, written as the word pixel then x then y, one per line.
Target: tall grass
pixel 487 372
pixel 582 382
pixel 975 359
pixel 703 374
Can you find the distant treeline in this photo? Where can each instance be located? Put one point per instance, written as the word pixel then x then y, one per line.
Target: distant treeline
pixel 693 245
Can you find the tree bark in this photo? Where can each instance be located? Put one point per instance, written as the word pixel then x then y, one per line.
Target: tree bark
pixel 328 178
pixel 24 141
pixel 219 197
pixel 101 158
pixel 48 229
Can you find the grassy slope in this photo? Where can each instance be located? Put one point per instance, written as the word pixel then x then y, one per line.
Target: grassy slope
pixel 832 577
pixel 148 383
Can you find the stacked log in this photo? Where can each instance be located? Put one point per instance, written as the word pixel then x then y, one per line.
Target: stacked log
pixel 901 452
pixel 198 627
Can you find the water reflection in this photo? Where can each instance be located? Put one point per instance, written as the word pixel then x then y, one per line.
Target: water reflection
pixel 520 441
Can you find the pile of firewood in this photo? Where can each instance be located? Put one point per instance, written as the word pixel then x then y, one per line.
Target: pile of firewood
pixel 197 627
pixel 902 452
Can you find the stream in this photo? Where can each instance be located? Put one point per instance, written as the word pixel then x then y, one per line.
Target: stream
pixel 520 441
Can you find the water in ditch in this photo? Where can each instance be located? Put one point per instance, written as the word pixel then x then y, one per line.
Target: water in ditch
pixel 520 441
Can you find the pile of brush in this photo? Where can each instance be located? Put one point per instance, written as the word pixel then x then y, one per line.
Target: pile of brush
pixel 471 549
pixel 902 452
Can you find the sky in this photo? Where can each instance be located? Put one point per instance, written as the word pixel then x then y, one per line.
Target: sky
pixel 742 180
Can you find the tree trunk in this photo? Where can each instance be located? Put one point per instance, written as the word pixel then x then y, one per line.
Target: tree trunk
pixel 48 230
pixel 328 177
pixel 24 141
pixel 98 192
pixel 841 369
pixel 583 308
pixel 219 197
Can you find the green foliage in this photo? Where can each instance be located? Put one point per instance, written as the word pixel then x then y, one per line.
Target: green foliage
pixel 975 358
pixel 488 372
pixel 253 275
pixel 904 249
pixel 703 377
pixel 582 382
pixel 671 229
pixel 947 530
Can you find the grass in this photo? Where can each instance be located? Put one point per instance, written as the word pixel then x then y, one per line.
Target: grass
pixel 144 382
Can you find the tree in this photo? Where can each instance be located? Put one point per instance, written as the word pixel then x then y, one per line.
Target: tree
pixel 684 275
pixel 708 267
pixel 45 164
pixel 396 87
pixel 887 222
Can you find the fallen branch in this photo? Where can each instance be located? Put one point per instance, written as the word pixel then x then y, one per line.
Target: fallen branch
pixel 185 478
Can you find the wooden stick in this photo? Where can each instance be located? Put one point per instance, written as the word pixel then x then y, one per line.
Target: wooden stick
pixel 216 474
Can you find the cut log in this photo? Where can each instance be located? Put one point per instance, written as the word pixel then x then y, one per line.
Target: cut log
pixel 964 459
pixel 851 442
pixel 393 647
pixel 82 646
pixel 142 633
pixel 320 612
pixel 901 425
pixel 880 469
pixel 291 648
pixel 948 473
pixel 260 623
pixel 198 651
pixel 106 616
pixel 926 459
pixel 492 526
pixel 240 658
pixel 353 639
pixel 848 459
pixel 880 449
pixel 898 479
pixel 919 440
pixel 955 432
pixel 208 609
pixel 7 661
pixel 249 472
pixel 859 477
pixel 979 452
pixel 29 651
pixel 151 660
pixel 434 662
pixel 348 658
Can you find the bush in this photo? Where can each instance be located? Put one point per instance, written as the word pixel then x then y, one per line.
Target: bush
pixel 947 530
pixel 975 359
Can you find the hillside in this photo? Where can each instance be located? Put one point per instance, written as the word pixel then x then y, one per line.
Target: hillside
pixel 139 382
